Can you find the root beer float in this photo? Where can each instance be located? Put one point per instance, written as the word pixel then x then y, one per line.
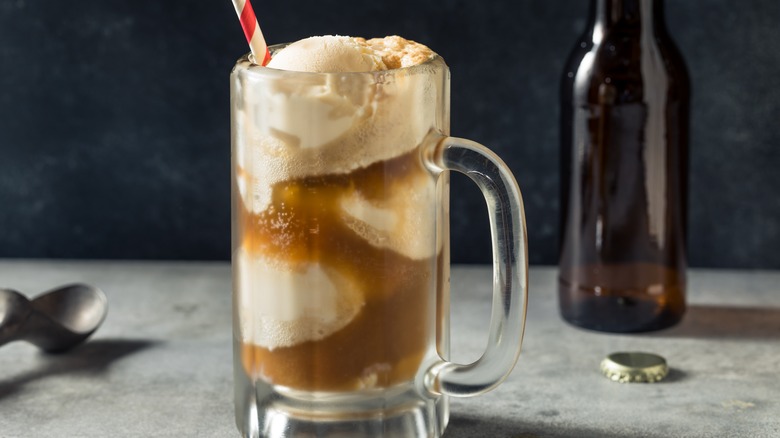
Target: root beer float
pixel 335 237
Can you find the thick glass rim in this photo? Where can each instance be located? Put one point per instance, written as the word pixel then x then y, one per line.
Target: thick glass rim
pixel 245 63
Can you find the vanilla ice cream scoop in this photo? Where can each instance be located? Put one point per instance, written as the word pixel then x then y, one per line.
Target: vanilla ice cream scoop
pixel 328 54
pixel 401 221
pixel 284 305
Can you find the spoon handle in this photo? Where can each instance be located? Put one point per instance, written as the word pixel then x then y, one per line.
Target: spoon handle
pixel 15 310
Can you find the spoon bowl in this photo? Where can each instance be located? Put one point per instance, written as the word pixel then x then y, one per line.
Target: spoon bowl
pixel 78 308
pixel 56 320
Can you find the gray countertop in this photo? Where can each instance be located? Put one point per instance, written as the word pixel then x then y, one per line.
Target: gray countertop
pixel 161 363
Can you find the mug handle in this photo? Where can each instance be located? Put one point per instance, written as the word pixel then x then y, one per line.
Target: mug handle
pixel 510 267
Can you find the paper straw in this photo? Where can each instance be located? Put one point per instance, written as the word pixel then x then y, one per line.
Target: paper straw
pixel 254 36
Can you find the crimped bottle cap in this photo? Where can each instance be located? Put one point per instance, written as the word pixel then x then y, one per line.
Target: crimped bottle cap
pixel 634 367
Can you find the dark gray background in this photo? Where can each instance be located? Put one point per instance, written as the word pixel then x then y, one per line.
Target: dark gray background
pixel 114 136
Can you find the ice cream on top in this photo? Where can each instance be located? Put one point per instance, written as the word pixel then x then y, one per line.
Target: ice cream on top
pixel 328 125
pixel 338 54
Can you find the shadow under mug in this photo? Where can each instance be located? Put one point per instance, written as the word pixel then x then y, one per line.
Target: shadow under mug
pixel 340 186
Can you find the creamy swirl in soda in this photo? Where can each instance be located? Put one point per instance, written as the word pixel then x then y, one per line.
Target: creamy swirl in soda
pixel 336 235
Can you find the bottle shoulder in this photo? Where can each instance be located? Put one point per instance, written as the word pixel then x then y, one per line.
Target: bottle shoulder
pixel 625 62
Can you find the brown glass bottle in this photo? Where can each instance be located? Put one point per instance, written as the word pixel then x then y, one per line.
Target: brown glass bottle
pixel 624 157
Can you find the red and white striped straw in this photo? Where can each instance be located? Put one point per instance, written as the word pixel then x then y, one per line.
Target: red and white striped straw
pixel 254 36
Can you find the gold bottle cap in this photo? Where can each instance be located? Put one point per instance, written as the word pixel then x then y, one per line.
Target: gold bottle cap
pixel 634 367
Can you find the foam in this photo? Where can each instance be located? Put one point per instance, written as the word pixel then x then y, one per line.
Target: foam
pixel 282 305
pixel 323 124
pixel 398 52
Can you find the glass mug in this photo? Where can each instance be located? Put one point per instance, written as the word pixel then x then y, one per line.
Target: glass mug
pixel 341 253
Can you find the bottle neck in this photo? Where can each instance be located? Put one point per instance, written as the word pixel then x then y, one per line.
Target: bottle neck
pixel 606 14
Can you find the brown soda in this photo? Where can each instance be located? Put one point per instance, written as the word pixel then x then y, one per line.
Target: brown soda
pixel 624 158
pixel 385 343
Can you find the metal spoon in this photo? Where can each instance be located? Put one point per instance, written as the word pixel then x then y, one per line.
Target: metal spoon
pixel 56 320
